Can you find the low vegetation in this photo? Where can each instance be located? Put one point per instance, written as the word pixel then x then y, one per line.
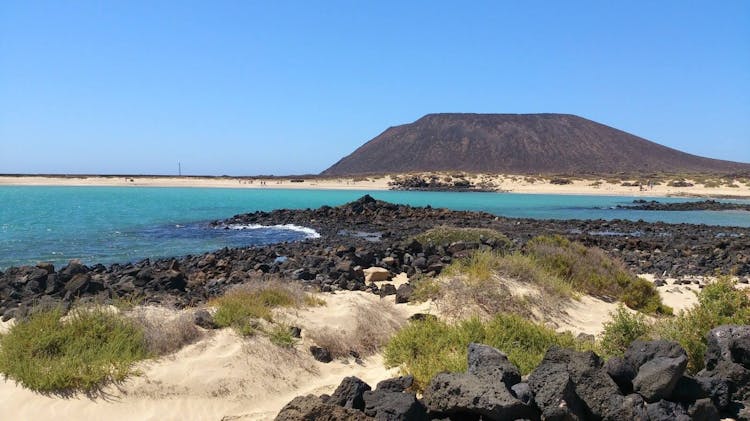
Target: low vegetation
pixel 372 326
pixel 445 235
pixel 89 347
pixel 281 335
pixel 427 347
pixel 53 352
pixel 164 333
pixel 488 282
pixel 555 266
pixel 591 271
pixel 623 328
pixel 719 303
pixel 244 307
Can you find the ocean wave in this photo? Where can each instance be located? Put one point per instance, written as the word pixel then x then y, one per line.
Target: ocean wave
pixel 309 232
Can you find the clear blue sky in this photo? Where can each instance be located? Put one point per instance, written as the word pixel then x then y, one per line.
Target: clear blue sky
pixel 280 87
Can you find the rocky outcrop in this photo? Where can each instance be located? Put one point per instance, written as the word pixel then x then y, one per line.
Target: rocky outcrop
pixel 648 383
pixel 714 205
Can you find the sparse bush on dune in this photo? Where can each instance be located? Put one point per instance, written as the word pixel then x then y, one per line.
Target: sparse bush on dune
pixel 591 271
pixel 51 353
pixel 164 334
pixel 244 306
pixel 554 266
pixel 425 288
pixel 372 326
pixel 425 348
pixel 281 335
pixel 623 328
pixel 719 303
pixel 484 284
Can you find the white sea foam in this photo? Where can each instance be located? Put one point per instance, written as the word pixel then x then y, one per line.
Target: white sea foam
pixel 309 232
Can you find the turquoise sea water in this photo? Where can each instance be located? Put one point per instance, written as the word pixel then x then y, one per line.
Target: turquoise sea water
pixel 120 224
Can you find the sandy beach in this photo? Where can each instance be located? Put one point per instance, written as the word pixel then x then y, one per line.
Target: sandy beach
pixel 504 184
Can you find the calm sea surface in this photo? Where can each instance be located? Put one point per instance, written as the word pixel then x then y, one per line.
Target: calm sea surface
pixel 121 224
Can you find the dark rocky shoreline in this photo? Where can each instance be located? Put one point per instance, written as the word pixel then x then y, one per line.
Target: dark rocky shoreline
pixel 648 383
pixel 361 234
pixel 713 205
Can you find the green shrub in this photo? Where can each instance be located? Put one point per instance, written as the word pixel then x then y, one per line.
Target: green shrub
pixel 718 303
pixel 640 294
pixel 525 269
pixel 242 307
pixel 425 348
pixel 591 271
pixel 425 288
pixel 47 353
pixel 281 335
pixel 445 235
pixel 623 328
pixel 478 267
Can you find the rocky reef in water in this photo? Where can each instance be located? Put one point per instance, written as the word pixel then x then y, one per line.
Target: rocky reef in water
pixel 713 205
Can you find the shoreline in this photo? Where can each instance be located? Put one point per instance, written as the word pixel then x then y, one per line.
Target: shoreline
pixel 505 184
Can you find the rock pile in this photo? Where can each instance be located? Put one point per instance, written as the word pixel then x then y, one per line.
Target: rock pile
pixel 648 383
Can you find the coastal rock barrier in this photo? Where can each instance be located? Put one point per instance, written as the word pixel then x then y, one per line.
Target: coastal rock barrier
pixel 648 383
pixel 360 235
pixel 713 205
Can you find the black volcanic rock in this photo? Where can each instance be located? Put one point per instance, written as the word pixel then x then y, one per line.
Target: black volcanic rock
pixel 518 144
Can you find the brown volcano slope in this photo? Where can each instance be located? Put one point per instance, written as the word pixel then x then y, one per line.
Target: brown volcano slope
pixel 518 144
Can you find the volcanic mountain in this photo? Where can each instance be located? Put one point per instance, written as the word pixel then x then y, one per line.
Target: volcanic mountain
pixel 518 144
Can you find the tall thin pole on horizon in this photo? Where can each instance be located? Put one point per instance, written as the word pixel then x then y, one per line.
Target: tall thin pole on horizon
pixel 179 168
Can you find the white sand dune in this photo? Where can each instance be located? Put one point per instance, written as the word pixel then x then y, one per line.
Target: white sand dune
pixel 221 377
pixel 225 377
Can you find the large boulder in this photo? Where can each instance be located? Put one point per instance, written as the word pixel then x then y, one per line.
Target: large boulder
pixel 703 410
pixel 690 389
pixel 640 352
pixel 726 360
pixel 349 393
pixel 312 407
pixel 376 274
pixel 575 384
pixel 466 396
pixel 77 284
pixel 728 343
pixel 622 372
pixel 554 393
pixel 737 379
pixel 396 384
pixel 393 406
pixel 657 378
pixel 386 290
pixel 490 364
pixel 667 411
pixel 404 293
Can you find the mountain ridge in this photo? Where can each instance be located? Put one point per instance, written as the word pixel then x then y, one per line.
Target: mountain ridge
pixel 544 143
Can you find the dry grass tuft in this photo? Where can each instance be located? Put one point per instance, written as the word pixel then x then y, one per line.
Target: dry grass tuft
pixel 373 325
pixel 164 333
pixel 245 306
pixel 487 283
